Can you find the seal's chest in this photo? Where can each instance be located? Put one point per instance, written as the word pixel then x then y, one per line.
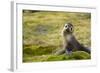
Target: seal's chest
pixel 69 37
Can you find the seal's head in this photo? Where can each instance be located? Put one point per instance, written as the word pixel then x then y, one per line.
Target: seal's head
pixel 68 28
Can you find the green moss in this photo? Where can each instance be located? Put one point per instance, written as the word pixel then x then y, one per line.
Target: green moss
pixel 38 50
pixel 57 58
pixel 78 55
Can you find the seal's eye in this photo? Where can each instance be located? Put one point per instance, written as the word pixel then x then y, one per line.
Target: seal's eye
pixel 66 26
pixel 70 29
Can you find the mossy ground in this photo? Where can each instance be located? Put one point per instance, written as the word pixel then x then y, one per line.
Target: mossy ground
pixel 78 55
pixel 42 35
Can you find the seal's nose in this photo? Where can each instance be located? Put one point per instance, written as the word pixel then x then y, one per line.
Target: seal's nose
pixel 67 29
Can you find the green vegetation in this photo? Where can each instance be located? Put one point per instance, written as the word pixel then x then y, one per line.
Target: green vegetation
pixel 42 35
pixel 78 55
